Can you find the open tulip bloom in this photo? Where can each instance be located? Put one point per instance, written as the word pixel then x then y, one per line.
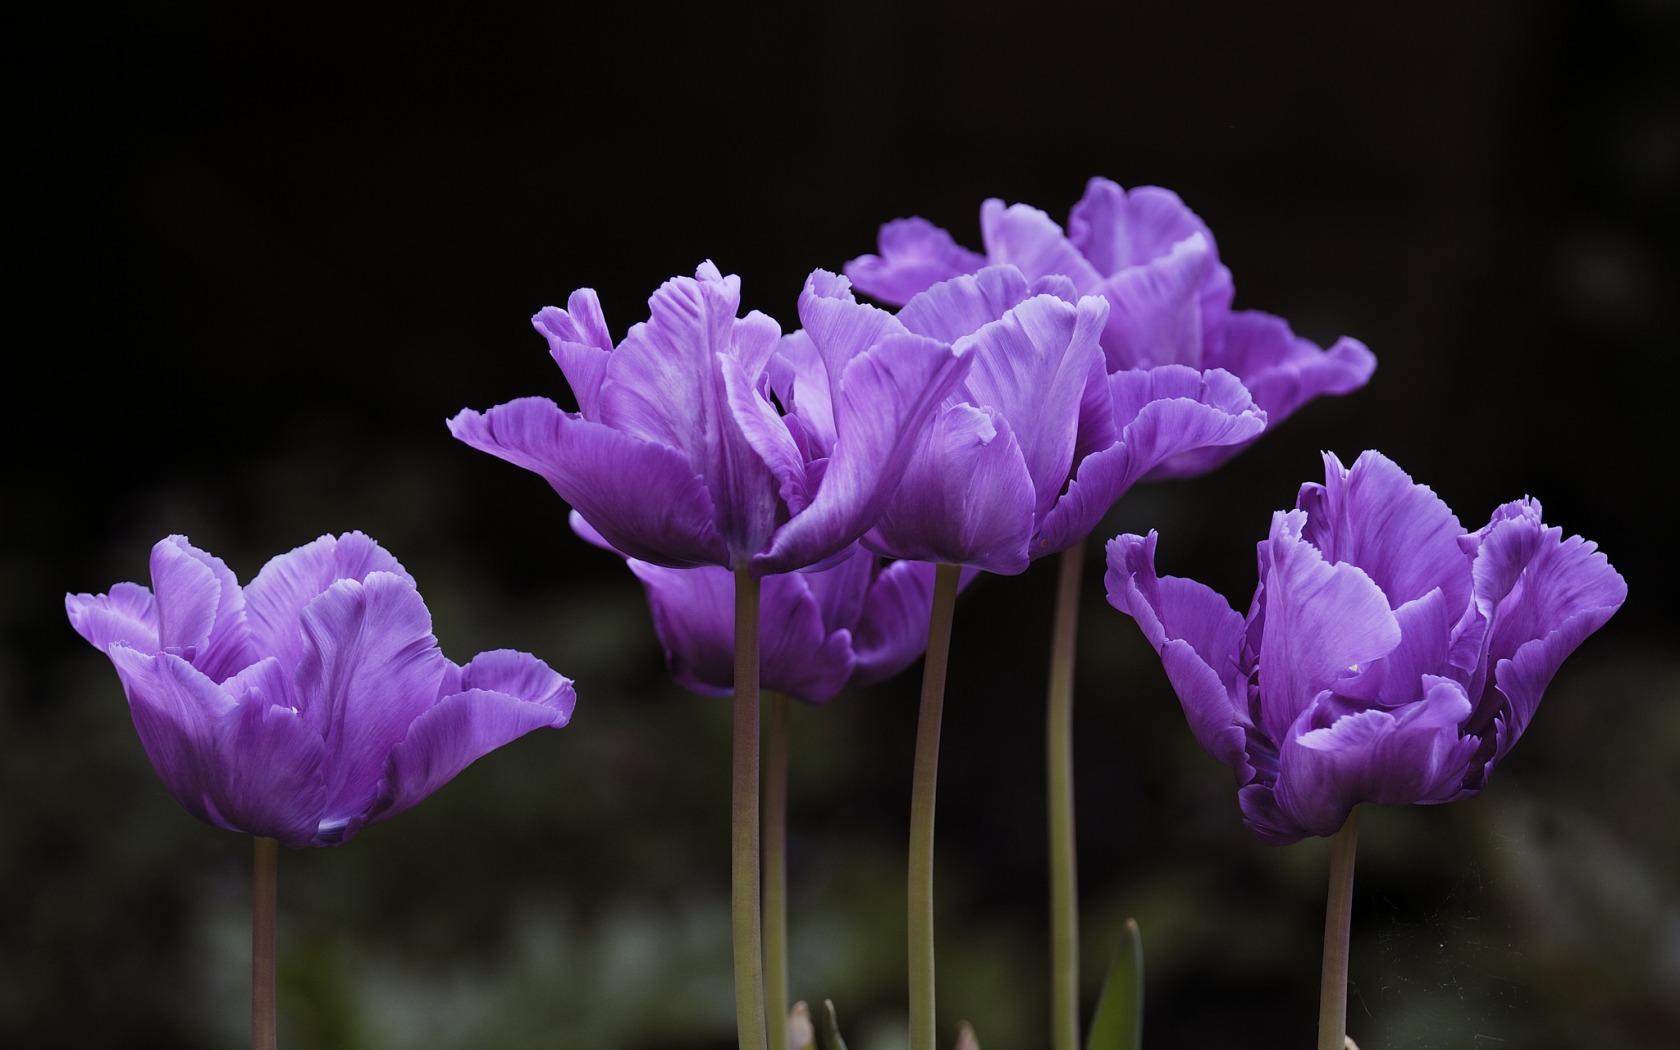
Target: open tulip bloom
pixel 308 704
pixel 1388 656
pixel 1155 263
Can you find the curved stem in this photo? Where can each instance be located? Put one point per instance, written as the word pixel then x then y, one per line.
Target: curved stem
pixel 923 788
pixel 743 802
pixel 265 881
pixel 1338 923
pixel 775 869
pixel 1064 870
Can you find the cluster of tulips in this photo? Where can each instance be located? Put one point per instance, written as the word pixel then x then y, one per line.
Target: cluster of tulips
pixel 803 508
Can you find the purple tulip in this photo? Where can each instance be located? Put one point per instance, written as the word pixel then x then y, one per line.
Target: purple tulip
pixel 313 702
pixel 1156 264
pixel 677 453
pixel 859 622
pixel 1039 440
pixel 1388 656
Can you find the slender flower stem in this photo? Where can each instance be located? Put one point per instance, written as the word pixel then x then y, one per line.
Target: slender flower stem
pixel 1338 922
pixel 743 880
pixel 1064 871
pixel 923 788
pixel 775 869
pixel 264 889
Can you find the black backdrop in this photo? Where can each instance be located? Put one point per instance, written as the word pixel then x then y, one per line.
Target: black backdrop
pixel 259 258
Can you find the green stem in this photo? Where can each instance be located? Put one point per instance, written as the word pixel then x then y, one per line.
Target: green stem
pixel 264 890
pixel 1338 922
pixel 743 802
pixel 923 788
pixel 1064 871
pixel 775 869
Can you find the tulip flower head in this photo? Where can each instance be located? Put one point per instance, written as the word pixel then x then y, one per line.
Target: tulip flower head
pixel 677 453
pixel 1039 440
pixel 1155 263
pixel 313 701
pixel 1388 656
pixel 858 622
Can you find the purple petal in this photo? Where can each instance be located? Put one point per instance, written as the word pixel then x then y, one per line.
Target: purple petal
pixel 767 433
pixel 1160 415
pixel 1199 637
pixel 888 396
pixel 1565 590
pixel 175 709
pixel 963 305
pixel 127 615
pixel 915 256
pixel 893 628
pixel 1031 366
pixel 667 516
pixel 665 386
pixel 579 343
pixel 1322 621
pixel 1374 516
pixel 798 653
pixel 1157 316
pixel 1030 240
pixel 694 617
pixel 275 600
pixel 271 781
pixel 201 610
pixel 966 498
pixel 448 738
pixel 370 667
pixel 1114 229
pixel 1284 371
pixel 1411 755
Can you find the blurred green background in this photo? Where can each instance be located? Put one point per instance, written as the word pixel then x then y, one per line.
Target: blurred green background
pixel 261 258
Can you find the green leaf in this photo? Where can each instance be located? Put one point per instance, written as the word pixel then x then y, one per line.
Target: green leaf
pixel 1118 1024
pixel 828 1029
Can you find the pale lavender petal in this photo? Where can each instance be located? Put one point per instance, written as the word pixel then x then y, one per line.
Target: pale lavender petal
pixel 271 782
pixel 667 516
pixel 1114 229
pixel 1374 516
pixel 1426 635
pixel 1410 755
pixel 1323 620
pixel 128 615
pixel 1030 240
pixel 915 256
pixel 201 610
pixel 1160 415
pixel 1284 371
pixel 579 343
pixel 175 710
pixel 893 628
pixel 799 379
pixel 523 676
pixel 887 401
pixel 1198 636
pixel 1031 366
pixel 275 600
pixel 1565 592
pixel 966 498
pixel 1157 316
pixel 448 738
pixel 664 385
pixel 963 305
pixel 767 433
pixel 370 667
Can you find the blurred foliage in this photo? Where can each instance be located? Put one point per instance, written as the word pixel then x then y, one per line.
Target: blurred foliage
pixel 264 266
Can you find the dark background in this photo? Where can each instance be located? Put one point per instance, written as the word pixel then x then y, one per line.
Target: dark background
pixel 259 260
